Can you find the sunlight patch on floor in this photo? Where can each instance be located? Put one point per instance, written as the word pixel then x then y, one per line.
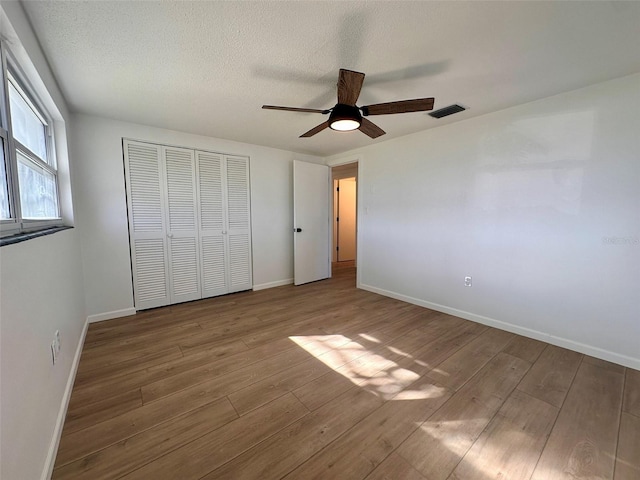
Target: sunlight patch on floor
pixel 486 460
pixel 368 337
pixel 424 392
pixel 366 366
pixel 397 351
pixel 453 433
pixel 437 371
pixel 367 369
pixel 318 343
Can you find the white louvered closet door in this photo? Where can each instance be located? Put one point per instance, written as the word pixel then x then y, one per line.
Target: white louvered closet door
pixel 145 194
pixel 239 223
pixel 211 178
pixel 182 225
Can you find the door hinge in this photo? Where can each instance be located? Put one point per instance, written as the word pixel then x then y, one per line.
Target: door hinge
pixel 337 219
pixel 337 189
pixel 337 248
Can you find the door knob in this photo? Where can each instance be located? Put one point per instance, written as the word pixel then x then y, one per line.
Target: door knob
pixel 297 230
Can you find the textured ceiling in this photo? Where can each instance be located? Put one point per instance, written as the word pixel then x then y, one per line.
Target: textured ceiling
pixel 207 67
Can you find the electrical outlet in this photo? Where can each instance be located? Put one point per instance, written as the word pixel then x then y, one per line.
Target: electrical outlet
pixel 467 281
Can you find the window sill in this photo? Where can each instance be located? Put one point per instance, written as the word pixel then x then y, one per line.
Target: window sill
pixel 21 237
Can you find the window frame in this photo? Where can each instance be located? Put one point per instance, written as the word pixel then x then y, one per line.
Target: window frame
pixel 16 224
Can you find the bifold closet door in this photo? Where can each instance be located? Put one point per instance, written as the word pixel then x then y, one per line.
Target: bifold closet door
pixel 182 225
pixel 189 223
pixel 225 223
pixel 147 223
pixel 211 173
pixel 239 223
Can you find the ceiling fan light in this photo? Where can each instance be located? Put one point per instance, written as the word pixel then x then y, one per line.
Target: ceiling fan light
pixel 345 125
pixel 345 118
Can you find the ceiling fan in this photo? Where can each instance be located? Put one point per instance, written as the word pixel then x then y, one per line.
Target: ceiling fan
pixel 346 115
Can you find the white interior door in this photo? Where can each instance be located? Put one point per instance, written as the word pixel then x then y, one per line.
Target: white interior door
pixel 347 219
pixel 311 189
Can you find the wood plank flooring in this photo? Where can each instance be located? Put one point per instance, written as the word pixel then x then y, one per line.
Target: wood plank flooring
pixel 324 381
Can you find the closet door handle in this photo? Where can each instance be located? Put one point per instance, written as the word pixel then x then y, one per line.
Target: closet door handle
pixel 224 232
pixel 297 230
pixel 170 235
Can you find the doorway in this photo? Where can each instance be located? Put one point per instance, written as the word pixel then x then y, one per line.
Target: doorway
pixel 344 179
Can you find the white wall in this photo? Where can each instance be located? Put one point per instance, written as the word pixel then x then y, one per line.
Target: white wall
pixel 41 282
pixel 539 203
pixel 41 291
pixel 102 215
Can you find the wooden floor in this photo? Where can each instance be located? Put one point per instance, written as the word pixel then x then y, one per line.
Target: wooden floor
pixel 327 381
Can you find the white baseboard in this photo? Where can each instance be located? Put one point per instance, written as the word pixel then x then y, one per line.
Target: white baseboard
pixel 57 433
pixel 517 329
pixel 99 317
pixel 277 283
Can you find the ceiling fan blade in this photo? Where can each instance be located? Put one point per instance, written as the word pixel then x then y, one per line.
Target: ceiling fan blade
pixel 349 86
pixel 371 129
pixel 403 106
pixel 315 130
pixel 294 109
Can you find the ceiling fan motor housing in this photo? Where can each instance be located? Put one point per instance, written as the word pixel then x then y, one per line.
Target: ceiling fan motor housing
pixel 343 114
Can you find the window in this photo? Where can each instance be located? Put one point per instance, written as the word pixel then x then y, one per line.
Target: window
pixel 28 174
pixel 5 213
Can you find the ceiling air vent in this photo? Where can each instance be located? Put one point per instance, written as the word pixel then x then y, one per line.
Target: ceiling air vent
pixel 450 110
